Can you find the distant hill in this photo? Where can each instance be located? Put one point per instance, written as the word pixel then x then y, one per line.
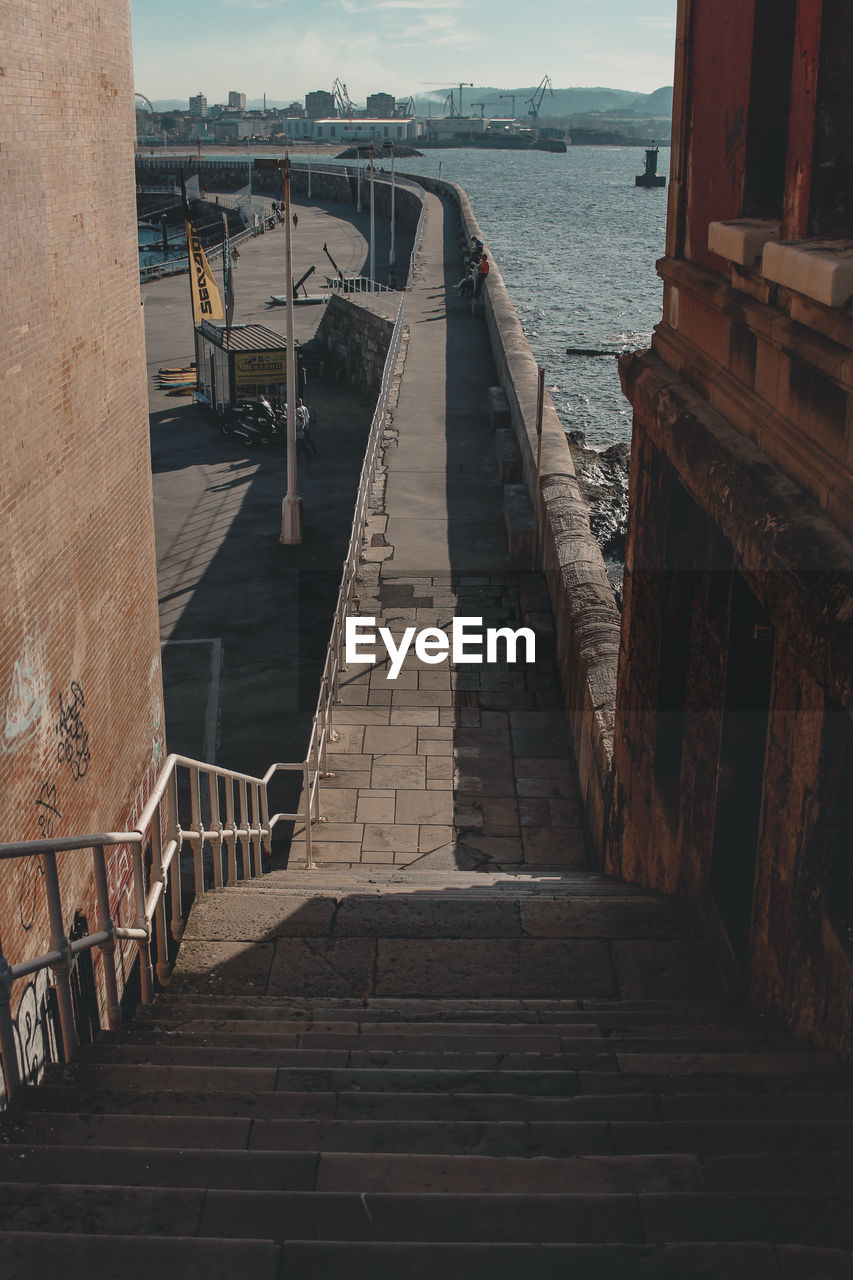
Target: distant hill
pixel 563 102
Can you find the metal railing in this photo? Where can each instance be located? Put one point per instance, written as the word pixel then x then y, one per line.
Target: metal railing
pixel 176 266
pixel 322 726
pixel 228 816
pixel 377 297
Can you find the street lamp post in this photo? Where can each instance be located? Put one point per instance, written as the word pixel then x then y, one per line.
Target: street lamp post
pixel 309 173
pixel 391 258
pixel 358 184
pixel 372 227
pixel 291 507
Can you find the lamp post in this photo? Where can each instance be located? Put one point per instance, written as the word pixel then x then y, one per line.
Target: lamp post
pixel 358 172
pixel 391 258
pixel 291 507
pixel 309 173
pixel 372 227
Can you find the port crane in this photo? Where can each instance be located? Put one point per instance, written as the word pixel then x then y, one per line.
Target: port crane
pixel 448 101
pixel 535 102
pixel 511 96
pixel 343 101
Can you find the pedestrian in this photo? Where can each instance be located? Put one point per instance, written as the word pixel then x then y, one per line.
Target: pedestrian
pixel 295 221
pixel 304 443
pixel 482 272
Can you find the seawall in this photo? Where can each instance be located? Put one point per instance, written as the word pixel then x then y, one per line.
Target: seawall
pixel 586 617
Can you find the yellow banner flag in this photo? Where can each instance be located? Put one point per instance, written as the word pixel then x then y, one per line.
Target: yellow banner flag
pixel 207 303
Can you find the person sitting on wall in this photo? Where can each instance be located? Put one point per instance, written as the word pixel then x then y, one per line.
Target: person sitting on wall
pixel 476 251
pixel 465 287
pixel 482 272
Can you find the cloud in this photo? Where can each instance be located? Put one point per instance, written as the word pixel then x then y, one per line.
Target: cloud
pixel 657 24
pixel 416 4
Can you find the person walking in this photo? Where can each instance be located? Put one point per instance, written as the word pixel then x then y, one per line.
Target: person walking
pixel 304 443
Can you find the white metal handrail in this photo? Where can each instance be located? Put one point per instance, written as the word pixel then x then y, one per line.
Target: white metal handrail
pixel 227 810
pixel 322 727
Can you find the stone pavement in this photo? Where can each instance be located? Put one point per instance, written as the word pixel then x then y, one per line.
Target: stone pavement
pixel 446 766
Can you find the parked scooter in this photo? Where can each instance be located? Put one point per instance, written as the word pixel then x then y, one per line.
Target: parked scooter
pixel 254 424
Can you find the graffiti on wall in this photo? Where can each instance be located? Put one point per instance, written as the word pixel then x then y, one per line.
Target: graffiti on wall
pixel 27 696
pixel 73 748
pixel 34 1033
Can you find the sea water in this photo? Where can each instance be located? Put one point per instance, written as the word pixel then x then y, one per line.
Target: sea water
pixel 576 242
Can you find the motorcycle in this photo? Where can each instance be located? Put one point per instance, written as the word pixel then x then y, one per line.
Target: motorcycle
pixel 254 424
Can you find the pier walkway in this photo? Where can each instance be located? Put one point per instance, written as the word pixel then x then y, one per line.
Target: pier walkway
pixel 446 766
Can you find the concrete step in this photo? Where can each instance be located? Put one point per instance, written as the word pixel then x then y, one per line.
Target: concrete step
pixel 372 1036
pixel 555 1138
pixel 260 913
pixel 320 1260
pixel 80 1257
pixel 696 1107
pixel 606 1014
pixel 716 1073
pixel 646 1218
pixel 135 1257
pixel 359 1171
pixel 409 1057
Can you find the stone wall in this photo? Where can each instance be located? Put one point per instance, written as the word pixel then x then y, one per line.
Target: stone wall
pixel 81 727
pixel 357 342
pixel 585 614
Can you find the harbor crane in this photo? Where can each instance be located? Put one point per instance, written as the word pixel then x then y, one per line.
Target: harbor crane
pixel 535 102
pixel 343 101
pixel 511 96
pixel 482 107
pixel 448 101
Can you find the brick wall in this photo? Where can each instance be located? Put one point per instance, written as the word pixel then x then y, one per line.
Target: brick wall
pixel 707 512
pixel 81 732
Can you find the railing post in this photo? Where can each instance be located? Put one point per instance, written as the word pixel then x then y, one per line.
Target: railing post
pixel 265 819
pixel 8 1048
pixel 146 972
pixel 164 968
pixel 245 846
pixel 198 829
pixel 176 873
pixel 108 948
pixel 231 838
pixel 256 824
pixel 306 805
pixel 215 825
pixel 62 970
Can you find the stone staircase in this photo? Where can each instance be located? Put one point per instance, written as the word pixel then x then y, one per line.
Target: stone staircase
pixel 377 1073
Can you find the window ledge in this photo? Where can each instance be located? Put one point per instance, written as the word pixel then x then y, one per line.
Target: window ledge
pixel 820 269
pixel 742 241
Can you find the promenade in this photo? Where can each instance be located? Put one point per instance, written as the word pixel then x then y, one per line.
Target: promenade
pixel 447 767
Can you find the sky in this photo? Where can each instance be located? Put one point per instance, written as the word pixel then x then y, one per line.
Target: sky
pixel 285 48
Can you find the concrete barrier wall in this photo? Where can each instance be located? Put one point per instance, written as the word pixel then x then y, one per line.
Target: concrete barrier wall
pixel 357 342
pixel 586 618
